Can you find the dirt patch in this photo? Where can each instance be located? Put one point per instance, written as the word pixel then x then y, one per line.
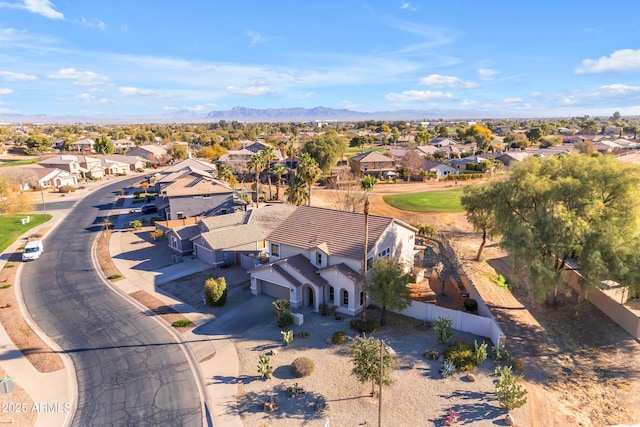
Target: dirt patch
pixel 104 258
pixel 166 313
pixel 16 409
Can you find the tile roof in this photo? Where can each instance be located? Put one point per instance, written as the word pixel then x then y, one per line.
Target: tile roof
pixel 196 186
pixel 342 232
pixel 371 156
pixel 346 271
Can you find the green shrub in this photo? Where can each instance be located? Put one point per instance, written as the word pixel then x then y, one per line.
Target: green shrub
pixel 302 334
pixel 443 330
pixel 287 337
pixel 215 292
pixel 503 282
pixel 12 265
pixel 295 390
pixel 480 352
pixel 471 305
pixel 447 369
pixel 64 189
pixel 264 366
pixel 364 327
pixel 517 363
pixel 114 277
pixel 182 323
pixel 423 326
pixel 500 353
pixel 156 234
pixel 431 354
pixel 136 224
pixel 302 367
pixel 282 308
pixel 510 394
pixel 462 355
pixel 339 337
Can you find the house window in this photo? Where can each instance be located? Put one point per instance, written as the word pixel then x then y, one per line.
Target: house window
pixel 331 294
pixel 345 298
pixel 180 215
pixel 275 250
pixel 174 242
pixel 318 258
pixel 361 298
pixel 369 263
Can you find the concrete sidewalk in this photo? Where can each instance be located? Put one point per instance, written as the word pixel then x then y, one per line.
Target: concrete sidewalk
pixel 214 351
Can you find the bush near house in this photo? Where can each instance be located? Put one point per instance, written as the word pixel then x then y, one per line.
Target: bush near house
pixel 215 292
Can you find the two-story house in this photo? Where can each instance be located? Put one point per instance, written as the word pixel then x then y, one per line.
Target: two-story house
pixel 316 257
pixel 372 163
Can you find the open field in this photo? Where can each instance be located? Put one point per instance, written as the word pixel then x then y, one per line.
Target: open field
pixel 444 201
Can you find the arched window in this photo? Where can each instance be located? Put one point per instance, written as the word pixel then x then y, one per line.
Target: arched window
pixel 331 294
pixel 345 298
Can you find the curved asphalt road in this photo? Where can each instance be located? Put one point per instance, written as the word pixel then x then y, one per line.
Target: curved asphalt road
pixel 130 371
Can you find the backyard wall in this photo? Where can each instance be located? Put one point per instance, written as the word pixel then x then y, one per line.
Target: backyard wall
pixel 617 312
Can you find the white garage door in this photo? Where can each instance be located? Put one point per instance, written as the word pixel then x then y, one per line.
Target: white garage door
pixel 276 291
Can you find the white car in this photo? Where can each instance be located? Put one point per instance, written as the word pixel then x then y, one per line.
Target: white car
pixel 32 250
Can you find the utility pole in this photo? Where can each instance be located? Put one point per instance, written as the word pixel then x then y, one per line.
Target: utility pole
pixel 380 391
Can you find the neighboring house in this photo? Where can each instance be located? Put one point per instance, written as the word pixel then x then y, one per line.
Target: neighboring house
pixel 238 238
pixel 426 150
pixel 191 193
pixel 440 170
pixel 371 163
pixel 512 156
pixel 134 163
pixel 442 142
pixel 65 162
pixel 113 167
pixel 191 164
pixel 461 164
pixel 84 145
pixel 316 256
pixel 122 145
pixel 48 177
pixel 151 153
pixel 91 167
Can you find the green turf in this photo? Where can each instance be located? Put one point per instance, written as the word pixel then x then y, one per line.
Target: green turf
pixel 444 201
pixel 11 227
pixel 358 150
pixel 19 162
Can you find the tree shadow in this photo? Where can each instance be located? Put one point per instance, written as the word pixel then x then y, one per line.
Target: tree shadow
pixel 304 407
pixel 475 407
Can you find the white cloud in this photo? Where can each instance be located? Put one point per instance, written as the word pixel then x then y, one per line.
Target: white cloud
pixel 39 7
pixel 408 6
pixel 79 78
pixel 446 82
pixel 487 74
pixel 200 107
pixel 135 91
pixel 6 91
pixel 418 96
pixel 90 99
pixel 255 37
pixel 620 61
pixel 16 77
pixel 93 23
pixel 259 90
pixel 622 95
pixel 512 100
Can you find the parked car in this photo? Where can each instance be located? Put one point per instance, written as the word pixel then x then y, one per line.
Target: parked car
pixel 32 250
pixel 149 209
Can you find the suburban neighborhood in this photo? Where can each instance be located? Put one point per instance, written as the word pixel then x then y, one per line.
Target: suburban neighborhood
pixel 303 245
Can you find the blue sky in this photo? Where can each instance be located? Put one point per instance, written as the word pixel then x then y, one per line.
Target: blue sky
pixel 526 59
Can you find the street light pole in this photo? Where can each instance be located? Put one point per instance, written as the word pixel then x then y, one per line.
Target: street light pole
pixel 44 206
pixel 380 391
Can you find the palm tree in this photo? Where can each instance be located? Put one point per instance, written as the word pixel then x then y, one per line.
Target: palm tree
pixel 279 170
pixel 367 183
pixel 256 164
pixel 297 192
pixel 291 152
pixel 268 155
pixel 309 171
pixel 225 174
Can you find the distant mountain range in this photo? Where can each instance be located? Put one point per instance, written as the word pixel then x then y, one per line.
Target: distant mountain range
pixel 245 114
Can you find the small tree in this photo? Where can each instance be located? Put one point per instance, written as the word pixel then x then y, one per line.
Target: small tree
pixel 215 291
pixel 389 286
pixel 264 366
pixel 511 395
pixel 287 337
pixel 365 355
pixel 282 309
pixel 156 234
pixel 136 224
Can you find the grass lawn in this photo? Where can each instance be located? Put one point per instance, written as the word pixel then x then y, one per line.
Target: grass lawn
pixel 445 201
pixel 358 150
pixel 11 227
pixel 19 162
